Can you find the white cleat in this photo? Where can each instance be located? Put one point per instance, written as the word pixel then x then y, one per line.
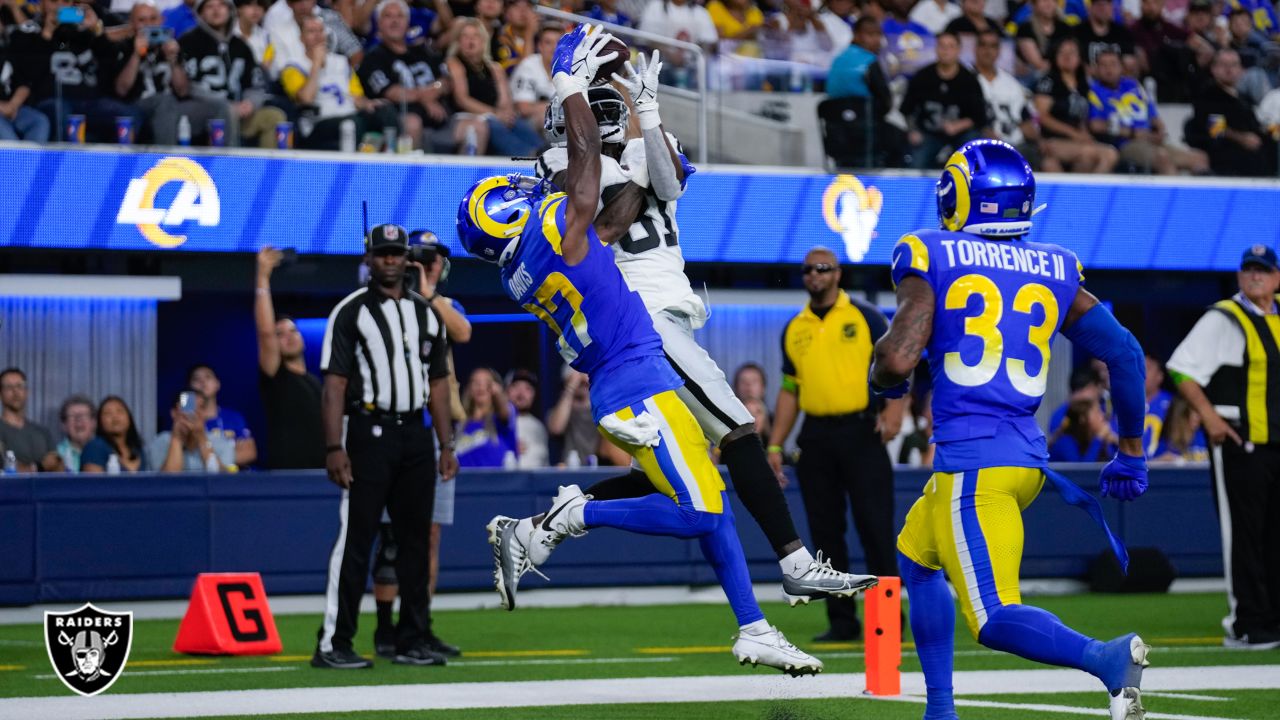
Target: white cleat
pixel 556 526
pixel 821 581
pixel 510 559
pixel 1127 703
pixel 772 649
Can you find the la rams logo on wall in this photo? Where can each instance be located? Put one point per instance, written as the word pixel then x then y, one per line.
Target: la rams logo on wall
pixel 195 199
pixel 852 212
pixel 88 647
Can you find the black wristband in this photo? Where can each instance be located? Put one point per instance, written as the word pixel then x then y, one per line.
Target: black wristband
pixel 333 448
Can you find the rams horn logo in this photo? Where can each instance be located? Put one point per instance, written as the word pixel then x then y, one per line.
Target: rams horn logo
pixel 852 211
pixel 197 199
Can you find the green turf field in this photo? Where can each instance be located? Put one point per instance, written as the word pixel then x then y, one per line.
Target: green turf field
pixel 663 641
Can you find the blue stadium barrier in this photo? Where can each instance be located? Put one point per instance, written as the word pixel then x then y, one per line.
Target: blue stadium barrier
pixel 69 538
pixel 123 198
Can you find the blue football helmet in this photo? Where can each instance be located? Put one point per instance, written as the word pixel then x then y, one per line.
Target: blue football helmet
pixel 987 188
pixel 493 214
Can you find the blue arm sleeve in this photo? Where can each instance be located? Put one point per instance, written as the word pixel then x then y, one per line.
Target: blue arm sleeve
pixel 1105 338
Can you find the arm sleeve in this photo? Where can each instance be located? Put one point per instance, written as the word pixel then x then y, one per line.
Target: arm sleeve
pixel 1097 110
pixel 338 354
pixel 1105 338
pixel 292 79
pixel 357 90
pixel 438 358
pixel 790 382
pixel 662 171
pixel 1214 341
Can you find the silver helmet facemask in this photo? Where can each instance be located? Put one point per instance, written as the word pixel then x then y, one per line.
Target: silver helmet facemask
pixel 608 106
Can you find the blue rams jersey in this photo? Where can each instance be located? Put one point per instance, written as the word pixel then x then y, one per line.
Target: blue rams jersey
pixel 602 327
pixel 999 305
pixel 1128 102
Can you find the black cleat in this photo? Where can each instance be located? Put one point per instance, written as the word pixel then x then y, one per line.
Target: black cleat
pixel 340 660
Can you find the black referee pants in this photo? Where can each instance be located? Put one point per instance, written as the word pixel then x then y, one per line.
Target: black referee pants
pixel 841 458
pixel 1247 493
pixel 392 466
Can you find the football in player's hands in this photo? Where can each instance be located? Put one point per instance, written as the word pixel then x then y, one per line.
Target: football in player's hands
pixel 622 54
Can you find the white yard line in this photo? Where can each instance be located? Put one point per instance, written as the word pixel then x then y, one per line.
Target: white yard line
pixel 547 693
pixel 1188 696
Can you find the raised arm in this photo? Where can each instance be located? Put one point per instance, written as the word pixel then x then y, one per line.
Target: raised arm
pixel 264 312
pixel 666 169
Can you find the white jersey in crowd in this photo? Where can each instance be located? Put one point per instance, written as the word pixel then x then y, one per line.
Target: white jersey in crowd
pixel 649 256
pixel 337 86
pixel 1007 101
pixel 530 81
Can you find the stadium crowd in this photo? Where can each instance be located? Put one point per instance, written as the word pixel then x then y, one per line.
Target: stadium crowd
pixel 1077 86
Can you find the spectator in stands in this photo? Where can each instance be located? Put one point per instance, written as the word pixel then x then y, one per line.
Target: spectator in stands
pixel 487 438
pixel 181 17
pixel 248 27
pixel 426 25
pixel 67 68
pixel 152 77
pixel 1101 31
pixel 607 11
pixel 531 87
pixel 749 382
pixel 31 442
pixel 187 446
pixel 908 45
pixel 480 87
pixel 219 420
pixel 1269 115
pixel 1007 106
pixel 290 395
pixel 1254 49
pixel 1037 36
pixel 515 40
pixel 117 436
pixel 78 428
pixel 489 13
pixel 679 20
pixel 1223 124
pixel 738 23
pixel 571 420
pixel 935 15
pixel 1204 36
pixel 944 106
pixel 17 120
pixel 1085 435
pixel 283 23
pixel 1062 104
pixel 1182 437
pixel 1123 115
pixel 838 17
pixel 329 94
pixel 1162 52
pixel 1158 400
pixel 531 434
pixel 973 20
pixel 221 67
pixel 412 77
pixel 799 35
pixel 760 414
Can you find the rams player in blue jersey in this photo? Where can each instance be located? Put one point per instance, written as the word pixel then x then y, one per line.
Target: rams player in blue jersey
pixel 986 304
pixel 554 265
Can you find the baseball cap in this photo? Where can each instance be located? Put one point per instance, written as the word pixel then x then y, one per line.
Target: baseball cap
pixel 388 235
pixel 520 374
pixel 1259 255
pixel 429 239
pixel 1201 5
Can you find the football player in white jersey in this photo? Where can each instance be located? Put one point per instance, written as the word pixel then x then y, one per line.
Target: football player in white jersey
pixel 641 180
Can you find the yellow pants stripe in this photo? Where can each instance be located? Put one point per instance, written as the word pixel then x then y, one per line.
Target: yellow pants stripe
pixel 680 465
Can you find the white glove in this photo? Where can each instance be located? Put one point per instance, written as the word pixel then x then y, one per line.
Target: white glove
pixel 642 84
pixel 641 431
pixel 578 57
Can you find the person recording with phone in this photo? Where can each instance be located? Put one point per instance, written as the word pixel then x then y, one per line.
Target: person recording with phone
pixel 66 56
pixel 187 447
pixel 149 73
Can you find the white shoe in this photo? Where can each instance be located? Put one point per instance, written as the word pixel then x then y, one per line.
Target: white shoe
pixel 774 650
pixel 820 581
pixel 557 525
pixel 510 559
pixel 1127 703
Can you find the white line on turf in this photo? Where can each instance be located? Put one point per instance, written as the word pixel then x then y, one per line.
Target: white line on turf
pixel 199 671
pixel 550 693
pixel 1187 696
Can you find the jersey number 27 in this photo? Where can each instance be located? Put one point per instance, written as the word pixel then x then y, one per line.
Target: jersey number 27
pixel 986 327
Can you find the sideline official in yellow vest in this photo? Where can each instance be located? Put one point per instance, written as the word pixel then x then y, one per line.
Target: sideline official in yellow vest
pixel 1228 369
pixel 826 353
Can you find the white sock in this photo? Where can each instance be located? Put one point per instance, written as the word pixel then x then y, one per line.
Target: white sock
pixel 577 519
pixel 758 627
pixel 797 563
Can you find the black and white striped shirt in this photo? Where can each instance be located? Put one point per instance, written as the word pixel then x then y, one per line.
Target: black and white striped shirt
pixel 388 350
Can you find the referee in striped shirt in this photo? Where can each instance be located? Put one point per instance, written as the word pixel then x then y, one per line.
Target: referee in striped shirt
pixel 384 358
